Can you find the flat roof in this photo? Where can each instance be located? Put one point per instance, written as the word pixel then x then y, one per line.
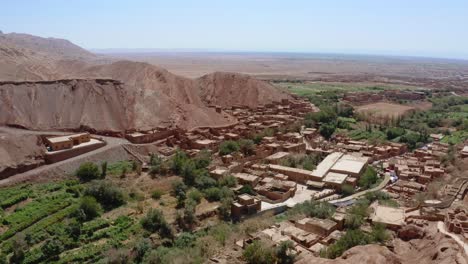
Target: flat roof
pixel 205 141
pixel 59 139
pixel 65 138
pixel 323 223
pixel 285 168
pixel 350 163
pixel 348 166
pixel 278 155
pixel 245 176
pixel 388 215
pixel 326 164
pixel 335 177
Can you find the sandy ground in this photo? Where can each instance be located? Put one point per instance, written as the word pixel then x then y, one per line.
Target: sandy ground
pixel 384 109
pixel 195 64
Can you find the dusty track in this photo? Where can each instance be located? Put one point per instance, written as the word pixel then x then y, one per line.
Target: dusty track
pixel 65 166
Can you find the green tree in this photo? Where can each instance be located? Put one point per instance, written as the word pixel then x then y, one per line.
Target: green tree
pixel 88 171
pixel 369 178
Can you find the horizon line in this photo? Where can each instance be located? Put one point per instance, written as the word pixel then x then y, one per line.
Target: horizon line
pixel 391 54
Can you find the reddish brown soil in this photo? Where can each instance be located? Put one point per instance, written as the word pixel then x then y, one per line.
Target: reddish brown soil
pixel 18 153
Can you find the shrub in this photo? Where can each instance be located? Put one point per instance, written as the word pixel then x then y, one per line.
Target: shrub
pixel 154 221
pixel 178 162
pixel 213 194
pixel 203 159
pixel 204 182
pixel 52 248
pixel 257 253
pixel 228 147
pixel 379 233
pixel 141 247
pixel 247 189
pixel 188 172
pixel 88 209
pixel 157 166
pixel 179 190
pixel 347 189
pixel 395 132
pixel 185 240
pixel 350 239
pixel 327 130
pixel 108 195
pixel 88 171
pixel 156 194
pixel 247 147
pixel 195 195
pixel 228 181
pixel 317 209
pixel 225 208
pixel 284 254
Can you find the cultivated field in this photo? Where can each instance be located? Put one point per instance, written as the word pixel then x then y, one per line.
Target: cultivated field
pixel 383 109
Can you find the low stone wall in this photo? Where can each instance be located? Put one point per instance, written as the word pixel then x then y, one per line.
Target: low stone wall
pixel 70 153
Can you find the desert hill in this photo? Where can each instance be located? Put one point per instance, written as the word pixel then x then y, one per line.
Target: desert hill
pixel 54 84
pixel 29 58
pixel 227 89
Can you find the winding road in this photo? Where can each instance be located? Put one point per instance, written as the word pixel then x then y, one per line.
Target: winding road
pixel 21 177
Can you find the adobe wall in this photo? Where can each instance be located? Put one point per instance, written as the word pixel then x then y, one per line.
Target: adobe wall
pixel 151 137
pixel 67 154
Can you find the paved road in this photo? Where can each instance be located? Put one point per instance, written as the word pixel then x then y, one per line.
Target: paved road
pixel 20 177
pixel 441 228
pixel 359 194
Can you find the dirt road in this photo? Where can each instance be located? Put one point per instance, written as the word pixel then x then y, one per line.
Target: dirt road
pixel 441 228
pixel 112 143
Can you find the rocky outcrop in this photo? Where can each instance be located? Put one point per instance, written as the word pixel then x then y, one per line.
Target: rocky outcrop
pixel 409 232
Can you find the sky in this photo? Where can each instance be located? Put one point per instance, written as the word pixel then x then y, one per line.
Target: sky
pixel 431 28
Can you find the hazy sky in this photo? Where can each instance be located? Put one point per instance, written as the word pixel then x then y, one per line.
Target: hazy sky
pixel 405 27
